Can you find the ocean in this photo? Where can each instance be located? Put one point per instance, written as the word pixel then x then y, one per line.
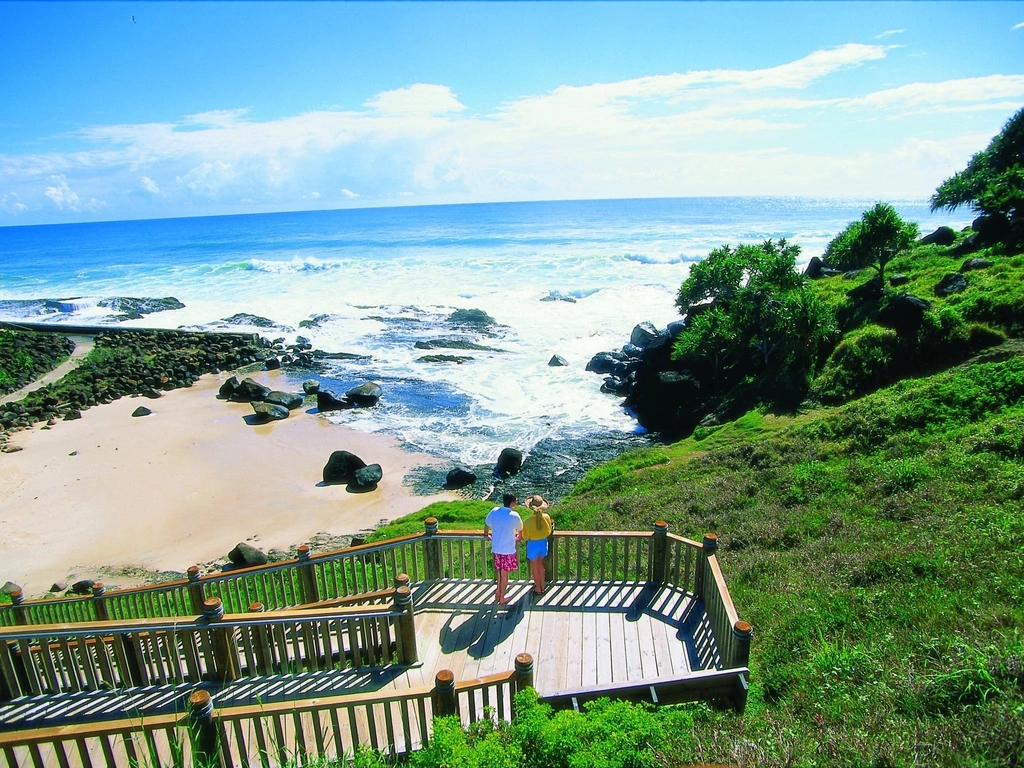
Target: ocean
pixel 558 278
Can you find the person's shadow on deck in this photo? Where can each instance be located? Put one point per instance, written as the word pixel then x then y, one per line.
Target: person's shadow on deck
pixel 482 631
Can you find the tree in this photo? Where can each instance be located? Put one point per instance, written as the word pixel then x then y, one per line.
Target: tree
pixel 993 181
pixel 762 318
pixel 873 241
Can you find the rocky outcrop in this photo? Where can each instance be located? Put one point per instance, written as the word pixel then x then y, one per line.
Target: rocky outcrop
pixel 266 411
pixel 952 283
pixel 245 555
pixel 972 264
pixel 365 395
pixel 328 401
pixel 289 400
pixel 903 314
pixel 366 478
pixel 341 466
pixel 311 386
pixel 557 361
pixel 510 461
pixel 459 477
pixel 942 236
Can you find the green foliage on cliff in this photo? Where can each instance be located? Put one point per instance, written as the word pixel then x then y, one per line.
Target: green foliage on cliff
pixel 993 181
pixel 879 236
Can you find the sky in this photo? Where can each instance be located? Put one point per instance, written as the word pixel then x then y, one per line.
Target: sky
pixel 130 110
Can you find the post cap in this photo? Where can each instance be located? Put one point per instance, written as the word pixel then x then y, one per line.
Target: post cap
pixel 401 580
pixel 193 573
pixel 524 662
pixel 303 550
pixel 18 596
pixel 213 609
pixel 256 607
pixel 445 679
pixel 660 526
pixel 430 526
pixel 710 541
pixel 742 629
pixel 403 596
pixel 200 703
pixel 98 589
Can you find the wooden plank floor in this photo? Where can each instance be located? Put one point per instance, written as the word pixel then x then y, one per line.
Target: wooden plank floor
pixel 579 634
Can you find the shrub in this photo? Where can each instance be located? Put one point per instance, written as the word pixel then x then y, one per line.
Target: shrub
pixel 861 363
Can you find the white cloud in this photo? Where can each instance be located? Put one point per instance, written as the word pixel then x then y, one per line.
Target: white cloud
pixel 889 33
pixel 207 179
pixel 1018 26
pixel 940 96
pixel 62 195
pixel 10 203
pixel 149 185
pixel 349 194
pixel 418 99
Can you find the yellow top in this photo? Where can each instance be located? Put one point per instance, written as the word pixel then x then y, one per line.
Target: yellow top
pixel 537 527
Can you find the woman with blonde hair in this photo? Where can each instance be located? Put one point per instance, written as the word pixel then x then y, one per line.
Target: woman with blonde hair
pixel 536 530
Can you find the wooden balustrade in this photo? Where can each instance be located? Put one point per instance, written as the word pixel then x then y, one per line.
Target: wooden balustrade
pixel 298 733
pixel 59 658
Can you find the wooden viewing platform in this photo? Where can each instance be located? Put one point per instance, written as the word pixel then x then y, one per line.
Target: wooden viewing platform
pixel 400 632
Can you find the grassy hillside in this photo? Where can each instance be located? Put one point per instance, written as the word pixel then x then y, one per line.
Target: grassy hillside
pixel 878 550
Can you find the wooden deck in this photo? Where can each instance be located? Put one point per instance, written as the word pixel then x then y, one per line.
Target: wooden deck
pixel 579 634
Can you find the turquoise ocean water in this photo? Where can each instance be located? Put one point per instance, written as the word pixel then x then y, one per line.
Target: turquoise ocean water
pixel 559 278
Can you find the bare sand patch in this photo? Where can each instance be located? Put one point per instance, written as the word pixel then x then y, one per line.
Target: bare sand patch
pixel 109 493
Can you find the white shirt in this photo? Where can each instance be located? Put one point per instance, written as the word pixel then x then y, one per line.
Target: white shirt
pixel 504 523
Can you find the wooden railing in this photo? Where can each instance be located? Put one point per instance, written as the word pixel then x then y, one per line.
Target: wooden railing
pixel 51 659
pixel 278 734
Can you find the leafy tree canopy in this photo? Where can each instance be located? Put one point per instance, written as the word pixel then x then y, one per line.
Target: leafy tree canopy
pixel 993 181
pixel 873 241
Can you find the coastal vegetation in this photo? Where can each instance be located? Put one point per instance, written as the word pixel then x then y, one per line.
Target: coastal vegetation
pixel 25 357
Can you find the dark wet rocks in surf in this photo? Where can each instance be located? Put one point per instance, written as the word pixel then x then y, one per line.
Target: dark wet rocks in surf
pixel 459 477
pixel 289 400
pixel 341 466
pixel 509 462
pixel 266 411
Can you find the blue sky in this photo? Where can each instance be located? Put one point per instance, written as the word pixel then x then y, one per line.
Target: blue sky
pixel 213 108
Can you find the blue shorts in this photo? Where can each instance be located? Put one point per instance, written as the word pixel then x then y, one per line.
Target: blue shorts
pixel 536 548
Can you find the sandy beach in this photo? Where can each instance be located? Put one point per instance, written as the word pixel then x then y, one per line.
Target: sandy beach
pixel 181 486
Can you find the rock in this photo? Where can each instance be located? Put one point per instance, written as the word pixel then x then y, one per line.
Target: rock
pixel 868 290
pixel 952 283
pixel 852 274
pixel 613 385
pixel 941 236
pixel 365 394
pixel 311 386
pixel 72 415
pixel 133 308
pixel 969 244
pixel 272 363
pixel 973 264
pixel 269 411
pixel 83 587
pixel 991 228
pixel 510 461
pixel 328 401
pixel 602 362
pixel 368 476
pixel 457 359
pixel 340 467
pixel 903 313
pixel 244 318
pixel 675 328
pixel 899 279
pixel 665 401
pixel 141 411
pixel 814 267
pixel 10 588
pixel 643 334
pixel 459 477
pixel 227 389
pixel 557 361
pixel 250 390
pixel 245 555
pixel 58 586
pixel 152 394
pixel 289 400
pixel 8 448
pixel 476 318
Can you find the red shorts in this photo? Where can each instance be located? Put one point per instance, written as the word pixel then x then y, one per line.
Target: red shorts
pixel 506 562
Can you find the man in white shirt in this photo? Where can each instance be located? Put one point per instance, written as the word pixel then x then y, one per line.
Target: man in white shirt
pixel 503 528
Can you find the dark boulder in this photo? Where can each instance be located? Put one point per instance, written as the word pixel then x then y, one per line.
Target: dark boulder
pixel 141 411
pixel 367 477
pixel 613 385
pixel 311 386
pixel 365 394
pixel 328 401
pixel 340 467
pixel 269 411
pixel 459 477
pixel 557 361
pixel 952 283
pixel 272 363
pixel 289 400
pixel 227 389
pixel 510 461
pixel 814 267
pixel 675 328
pixel 602 362
pixel 665 401
pixel 83 587
pixel 250 390
pixel 969 244
pixel 474 318
pixel 972 264
pixel 903 313
pixel 899 279
pixel 869 290
pixel 72 415
pixel 941 236
pixel 991 228
pixel 245 555
pixel 643 334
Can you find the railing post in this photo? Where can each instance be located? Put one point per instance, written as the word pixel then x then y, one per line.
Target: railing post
pixel 259 632
pixel 307 576
pixel 431 550
pixel 406 625
pixel 709 546
pixel 195 589
pixel 659 552
pixel 225 660
pixel 444 699
pixel 203 730
pixel 17 598
pixel 99 603
pixel 524 672
pixel 741 634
